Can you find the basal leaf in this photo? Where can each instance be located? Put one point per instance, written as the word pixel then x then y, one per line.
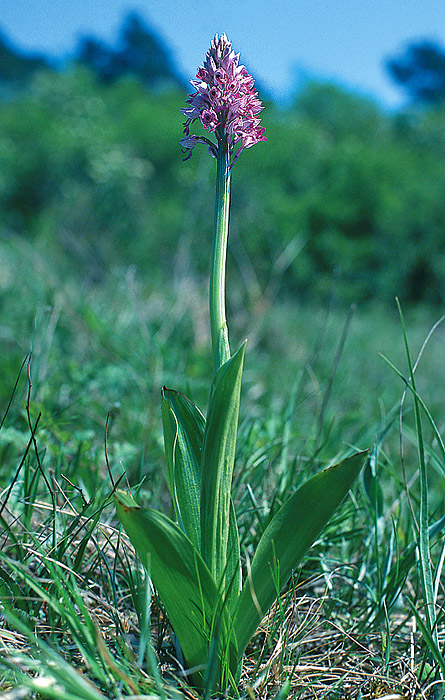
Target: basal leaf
pixel 233 563
pixel 217 466
pixel 183 581
pixel 183 425
pixel 287 538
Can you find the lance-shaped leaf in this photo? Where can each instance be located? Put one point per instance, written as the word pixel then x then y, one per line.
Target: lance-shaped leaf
pixel 286 539
pixel 183 425
pixel 217 469
pixel 183 581
pixel 233 561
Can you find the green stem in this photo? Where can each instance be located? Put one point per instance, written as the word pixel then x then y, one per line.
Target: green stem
pixel 218 323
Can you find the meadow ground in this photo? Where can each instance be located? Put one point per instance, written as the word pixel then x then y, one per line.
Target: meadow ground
pixel 82 369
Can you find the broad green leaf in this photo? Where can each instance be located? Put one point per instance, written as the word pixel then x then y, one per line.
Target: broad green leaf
pixel 183 425
pixel 183 581
pixel 233 565
pixel 217 468
pixel 287 538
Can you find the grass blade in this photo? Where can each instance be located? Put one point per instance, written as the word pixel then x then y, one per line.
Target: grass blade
pixel 423 537
pixel 430 640
pixel 57 678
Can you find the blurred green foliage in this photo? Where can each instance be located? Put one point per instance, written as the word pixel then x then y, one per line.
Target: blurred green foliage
pixel 351 196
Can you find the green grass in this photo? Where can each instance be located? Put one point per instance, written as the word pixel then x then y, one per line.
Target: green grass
pixel 74 596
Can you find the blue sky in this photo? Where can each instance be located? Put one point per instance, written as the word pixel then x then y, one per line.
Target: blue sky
pixel 282 42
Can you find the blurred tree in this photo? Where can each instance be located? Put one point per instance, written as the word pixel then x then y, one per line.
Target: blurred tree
pixel 420 70
pixel 98 57
pixel 94 173
pixel 139 52
pixel 144 54
pixel 16 67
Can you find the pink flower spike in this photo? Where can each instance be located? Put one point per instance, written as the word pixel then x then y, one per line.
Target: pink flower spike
pixel 225 102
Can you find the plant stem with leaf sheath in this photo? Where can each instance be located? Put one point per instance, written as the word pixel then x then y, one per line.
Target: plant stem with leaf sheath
pixel 218 322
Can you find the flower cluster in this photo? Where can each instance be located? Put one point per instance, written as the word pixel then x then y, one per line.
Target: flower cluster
pixel 225 102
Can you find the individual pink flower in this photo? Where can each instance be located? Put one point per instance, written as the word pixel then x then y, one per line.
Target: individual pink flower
pixel 225 102
pixel 189 142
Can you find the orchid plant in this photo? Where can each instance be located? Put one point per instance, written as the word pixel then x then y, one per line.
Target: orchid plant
pixel 194 558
